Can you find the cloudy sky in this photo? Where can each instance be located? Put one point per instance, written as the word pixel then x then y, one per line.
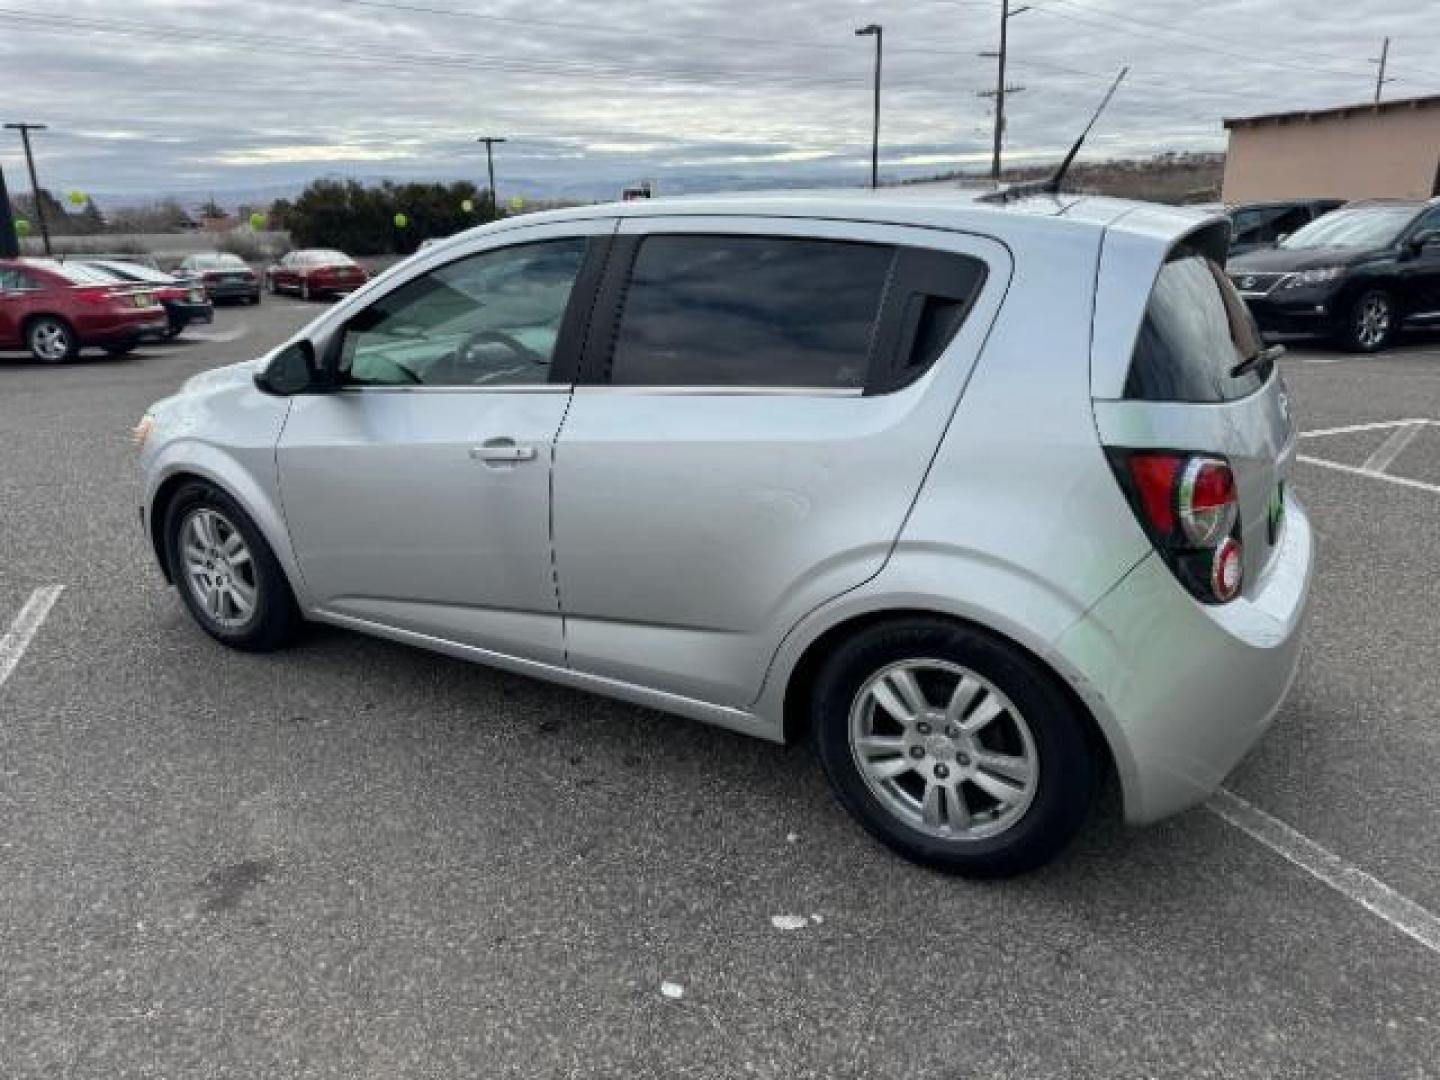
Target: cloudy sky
pixel 145 97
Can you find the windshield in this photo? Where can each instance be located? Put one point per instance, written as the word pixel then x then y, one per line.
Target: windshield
pixel 1367 227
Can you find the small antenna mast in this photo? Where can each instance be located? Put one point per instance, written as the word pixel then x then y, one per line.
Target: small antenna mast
pixel 1058 177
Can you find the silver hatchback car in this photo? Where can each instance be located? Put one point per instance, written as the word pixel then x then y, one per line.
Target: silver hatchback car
pixel 988 497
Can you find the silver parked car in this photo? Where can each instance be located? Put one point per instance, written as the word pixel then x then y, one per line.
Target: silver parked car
pixel 989 497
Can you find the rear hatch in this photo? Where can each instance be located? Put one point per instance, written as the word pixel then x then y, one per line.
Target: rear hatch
pixel 1201 397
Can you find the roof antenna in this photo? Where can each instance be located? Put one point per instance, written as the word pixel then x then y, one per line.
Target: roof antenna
pixel 1051 185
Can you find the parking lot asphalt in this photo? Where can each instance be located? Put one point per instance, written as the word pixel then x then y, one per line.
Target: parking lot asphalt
pixel 354 859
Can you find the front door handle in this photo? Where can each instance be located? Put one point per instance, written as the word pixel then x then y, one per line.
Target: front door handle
pixel 501 452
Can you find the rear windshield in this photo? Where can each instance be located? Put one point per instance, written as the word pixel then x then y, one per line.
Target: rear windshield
pixel 1196 332
pixel 80 274
pixel 219 262
pixel 134 272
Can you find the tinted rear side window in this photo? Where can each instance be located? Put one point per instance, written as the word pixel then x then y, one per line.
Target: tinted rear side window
pixel 750 311
pixel 1196 330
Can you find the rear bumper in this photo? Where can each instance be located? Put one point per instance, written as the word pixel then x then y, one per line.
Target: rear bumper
pixel 123 330
pixel 237 290
pixel 1182 691
pixel 183 312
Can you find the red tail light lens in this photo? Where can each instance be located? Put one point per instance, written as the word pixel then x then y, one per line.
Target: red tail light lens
pixel 1188 507
pixel 1207 507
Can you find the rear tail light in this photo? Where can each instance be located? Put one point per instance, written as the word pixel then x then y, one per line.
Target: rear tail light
pixel 1187 505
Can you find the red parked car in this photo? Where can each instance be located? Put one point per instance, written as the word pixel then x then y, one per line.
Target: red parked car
pixel 315 273
pixel 56 309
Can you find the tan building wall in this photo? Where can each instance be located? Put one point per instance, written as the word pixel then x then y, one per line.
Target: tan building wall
pixel 1362 152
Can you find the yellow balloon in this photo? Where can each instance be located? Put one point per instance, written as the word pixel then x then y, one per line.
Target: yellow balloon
pixel 468 206
pixel 401 221
pixel 22 227
pixel 517 203
pixel 78 198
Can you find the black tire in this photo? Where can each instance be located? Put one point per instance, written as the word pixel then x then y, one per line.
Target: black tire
pixel 275 616
pixel 41 340
pixel 1066 765
pixel 173 331
pixel 1360 333
pixel 256 298
pixel 119 350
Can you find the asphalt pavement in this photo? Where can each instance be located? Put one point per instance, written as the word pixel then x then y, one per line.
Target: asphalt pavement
pixel 354 859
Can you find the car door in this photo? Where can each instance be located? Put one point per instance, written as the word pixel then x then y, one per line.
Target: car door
pixel 17 299
pixel 1419 270
pixel 417 496
pixel 759 405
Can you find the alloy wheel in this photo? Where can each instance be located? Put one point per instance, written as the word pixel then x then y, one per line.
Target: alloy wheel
pixel 219 569
pixel 1373 323
pixel 50 341
pixel 943 749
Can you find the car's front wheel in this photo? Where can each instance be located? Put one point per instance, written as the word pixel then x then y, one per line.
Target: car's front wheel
pixel 227 575
pixel 1371 323
pixel 51 340
pixel 953 747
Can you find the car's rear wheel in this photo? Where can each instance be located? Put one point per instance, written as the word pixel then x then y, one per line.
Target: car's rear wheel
pixel 1371 323
pixel 51 340
pixel 227 575
pixel 953 747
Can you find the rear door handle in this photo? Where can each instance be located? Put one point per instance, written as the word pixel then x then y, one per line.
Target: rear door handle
pixel 501 451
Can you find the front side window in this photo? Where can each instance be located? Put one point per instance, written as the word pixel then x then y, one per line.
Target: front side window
pixel 754 311
pixel 490 320
pixel 1196 331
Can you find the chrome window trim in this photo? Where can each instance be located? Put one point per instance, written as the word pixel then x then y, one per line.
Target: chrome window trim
pixel 726 391
pixel 513 388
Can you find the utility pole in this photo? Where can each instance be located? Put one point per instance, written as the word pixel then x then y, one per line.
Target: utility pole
pixel 876 31
pixel 25 130
pixel 1382 60
pixel 1001 89
pixel 490 141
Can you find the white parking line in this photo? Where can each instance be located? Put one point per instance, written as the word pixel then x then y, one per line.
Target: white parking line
pixel 1350 881
pixel 22 630
pixel 1390 449
pixel 1378 425
pixel 235 333
pixel 1403 481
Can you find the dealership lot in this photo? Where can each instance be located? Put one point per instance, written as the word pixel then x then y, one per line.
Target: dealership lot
pixel 355 859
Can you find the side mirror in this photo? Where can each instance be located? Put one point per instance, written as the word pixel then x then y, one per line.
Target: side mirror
pixel 290 371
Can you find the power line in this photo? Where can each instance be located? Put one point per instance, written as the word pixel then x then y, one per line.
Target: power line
pixel 1128 24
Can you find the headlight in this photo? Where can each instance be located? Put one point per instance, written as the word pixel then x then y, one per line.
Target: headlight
pixel 142 431
pixel 1319 276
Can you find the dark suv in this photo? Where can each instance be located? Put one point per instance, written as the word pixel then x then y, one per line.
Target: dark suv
pixel 1355 274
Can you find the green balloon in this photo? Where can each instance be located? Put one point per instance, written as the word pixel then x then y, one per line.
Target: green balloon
pixel 468 206
pixel 401 221
pixel 78 198
pixel 22 227
pixel 257 221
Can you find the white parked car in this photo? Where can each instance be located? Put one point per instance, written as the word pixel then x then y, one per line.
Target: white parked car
pixel 987 496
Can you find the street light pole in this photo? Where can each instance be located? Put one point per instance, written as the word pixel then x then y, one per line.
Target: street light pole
pixel 9 242
pixel 490 141
pixel 25 130
pixel 876 31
